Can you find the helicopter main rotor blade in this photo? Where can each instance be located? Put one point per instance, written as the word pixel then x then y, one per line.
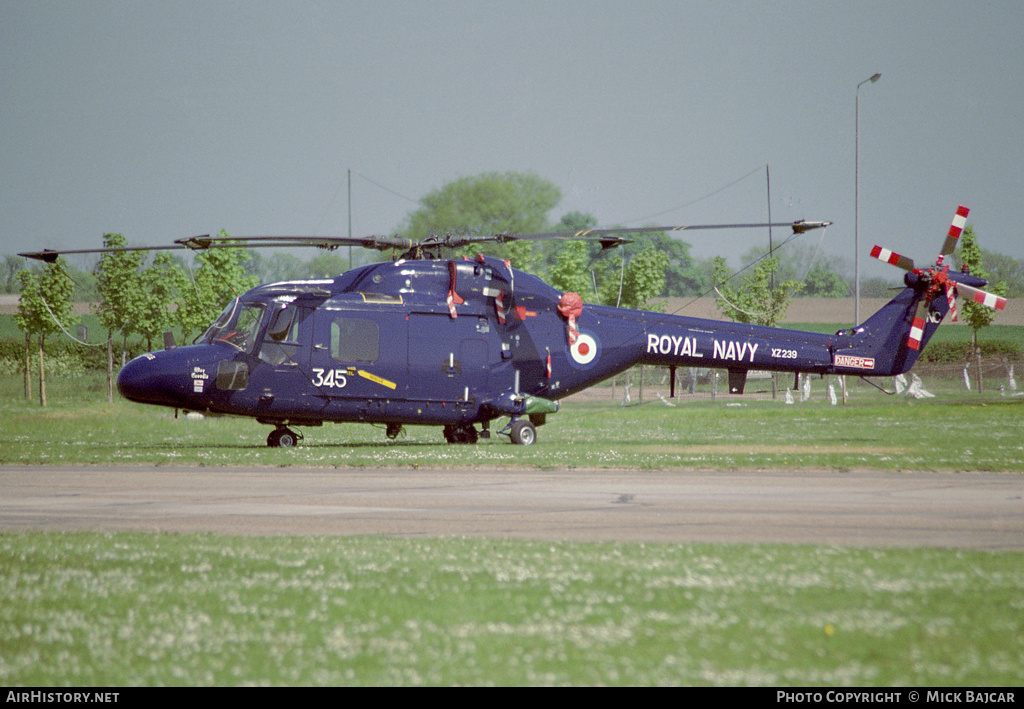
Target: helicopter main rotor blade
pixel 51 255
pixel 330 243
pixel 607 237
pixel 205 241
pixel 610 238
pixel 798 227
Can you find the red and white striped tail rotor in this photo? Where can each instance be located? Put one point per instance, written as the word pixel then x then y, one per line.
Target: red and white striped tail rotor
pixel 989 300
pixel 890 257
pixel 953 237
pixel 917 326
pixel 938 280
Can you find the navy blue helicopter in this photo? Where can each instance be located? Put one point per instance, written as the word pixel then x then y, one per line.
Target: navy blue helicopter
pixel 461 343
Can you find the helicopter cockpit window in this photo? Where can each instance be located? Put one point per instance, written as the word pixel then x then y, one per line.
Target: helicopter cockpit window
pixel 281 343
pixel 354 340
pixel 281 324
pixel 218 324
pixel 237 326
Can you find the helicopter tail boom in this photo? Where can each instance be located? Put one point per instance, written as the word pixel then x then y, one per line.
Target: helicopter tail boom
pixel 886 344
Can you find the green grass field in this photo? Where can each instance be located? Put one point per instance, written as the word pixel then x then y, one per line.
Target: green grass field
pixel 197 610
pixel 94 609
pixel 957 430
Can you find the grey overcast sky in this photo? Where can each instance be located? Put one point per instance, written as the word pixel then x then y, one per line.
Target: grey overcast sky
pixel 161 120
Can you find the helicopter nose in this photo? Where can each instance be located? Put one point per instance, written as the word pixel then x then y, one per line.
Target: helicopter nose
pixel 144 380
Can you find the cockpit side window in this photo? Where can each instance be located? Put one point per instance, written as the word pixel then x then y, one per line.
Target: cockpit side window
pixel 282 323
pixel 281 342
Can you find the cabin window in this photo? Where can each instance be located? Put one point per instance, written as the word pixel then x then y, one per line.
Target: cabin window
pixel 354 340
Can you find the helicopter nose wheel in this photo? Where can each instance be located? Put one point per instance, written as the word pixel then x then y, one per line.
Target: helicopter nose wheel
pixel 283 437
pixel 521 431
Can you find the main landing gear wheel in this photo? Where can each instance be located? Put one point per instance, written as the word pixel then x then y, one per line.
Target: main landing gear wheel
pixel 523 433
pixel 460 434
pixel 283 437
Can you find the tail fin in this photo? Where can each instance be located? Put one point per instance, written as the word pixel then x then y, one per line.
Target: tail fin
pixel 894 337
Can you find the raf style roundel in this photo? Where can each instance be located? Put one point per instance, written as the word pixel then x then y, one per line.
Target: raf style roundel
pixel 584 350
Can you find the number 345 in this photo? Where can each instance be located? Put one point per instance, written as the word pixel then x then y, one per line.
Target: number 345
pixel 329 378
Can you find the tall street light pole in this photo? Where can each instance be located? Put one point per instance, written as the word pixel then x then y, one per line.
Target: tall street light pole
pixel 350 218
pixel 856 199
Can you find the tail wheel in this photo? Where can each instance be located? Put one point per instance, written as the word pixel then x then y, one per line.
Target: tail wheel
pixel 523 433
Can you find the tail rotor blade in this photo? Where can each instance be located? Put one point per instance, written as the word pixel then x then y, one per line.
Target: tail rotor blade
pixel 955 229
pixel 917 325
pixel 907 264
pixel 989 300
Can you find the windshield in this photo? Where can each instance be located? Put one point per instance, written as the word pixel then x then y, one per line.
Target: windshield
pixel 237 325
pixel 219 323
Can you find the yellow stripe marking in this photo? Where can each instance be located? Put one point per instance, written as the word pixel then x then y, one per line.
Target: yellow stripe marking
pixel 379 380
